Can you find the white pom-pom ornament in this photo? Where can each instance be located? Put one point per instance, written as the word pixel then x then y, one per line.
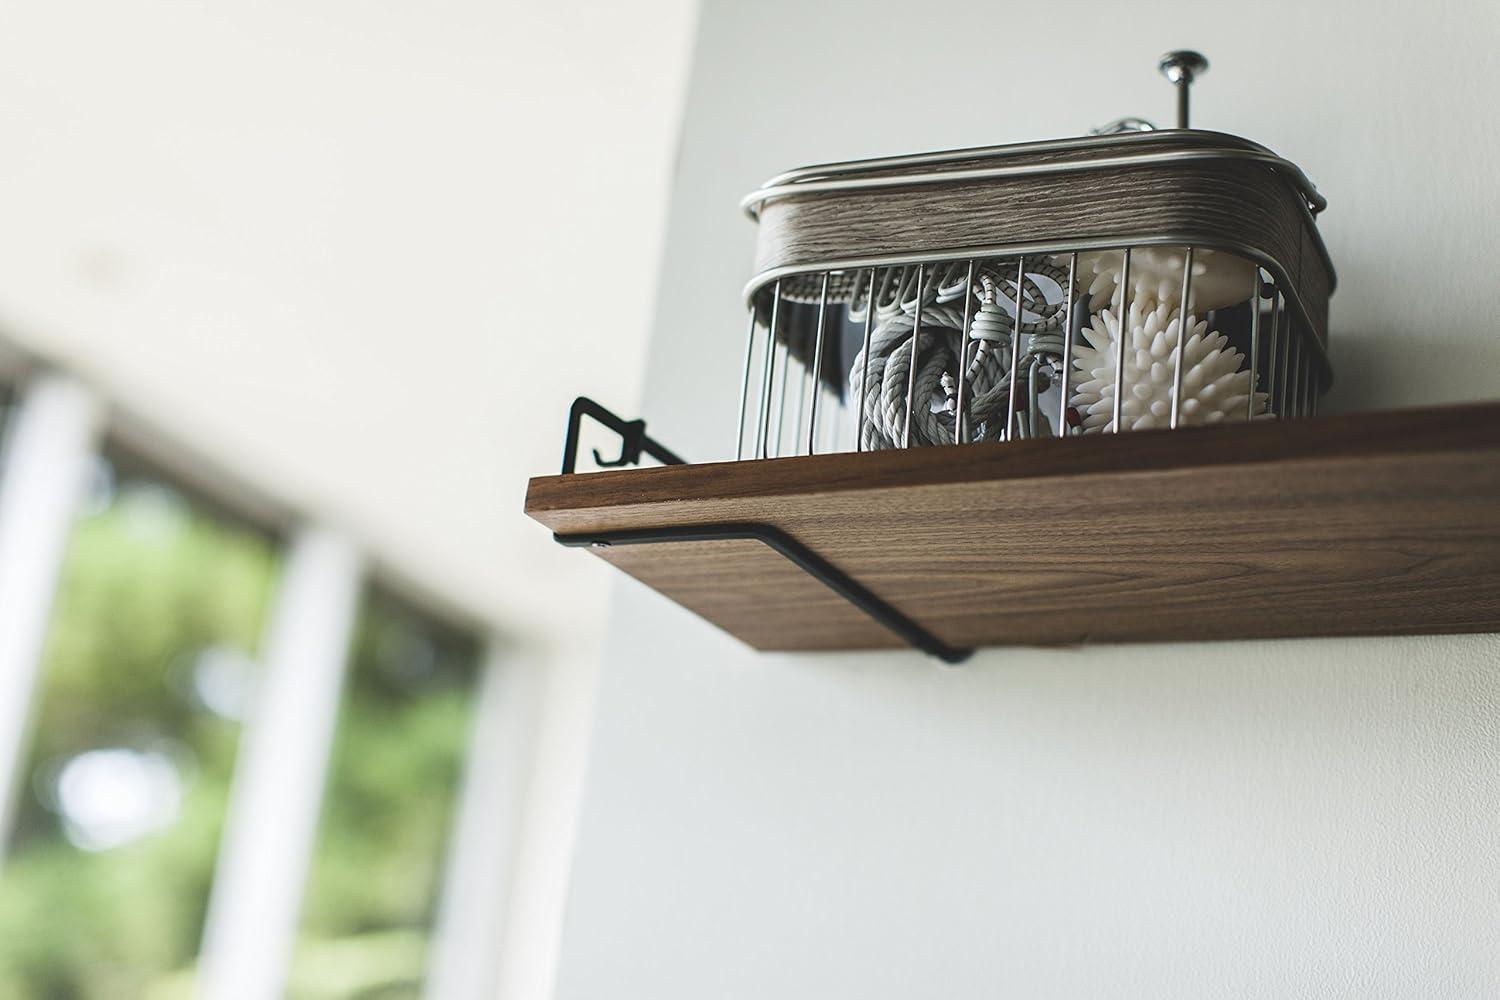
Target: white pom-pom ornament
pixel 1214 388
pixel 1219 279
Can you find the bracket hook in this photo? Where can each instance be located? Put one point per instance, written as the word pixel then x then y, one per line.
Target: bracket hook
pixel 634 441
pixel 632 433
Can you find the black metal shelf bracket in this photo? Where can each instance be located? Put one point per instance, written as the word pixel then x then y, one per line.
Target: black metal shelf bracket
pixel 633 439
pixel 800 556
pixel 634 442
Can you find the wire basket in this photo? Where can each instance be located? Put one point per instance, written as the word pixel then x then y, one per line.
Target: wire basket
pixel 1033 290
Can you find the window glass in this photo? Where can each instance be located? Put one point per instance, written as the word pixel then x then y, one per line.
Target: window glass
pixel 393 776
pixel 148 668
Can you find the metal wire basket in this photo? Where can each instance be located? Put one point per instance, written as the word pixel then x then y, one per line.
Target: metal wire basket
pixel 1033 290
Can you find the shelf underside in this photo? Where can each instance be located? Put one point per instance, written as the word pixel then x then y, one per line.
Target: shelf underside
pixel 1361 524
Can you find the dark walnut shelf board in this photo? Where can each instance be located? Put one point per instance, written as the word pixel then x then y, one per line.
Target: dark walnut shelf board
pixel 1382 523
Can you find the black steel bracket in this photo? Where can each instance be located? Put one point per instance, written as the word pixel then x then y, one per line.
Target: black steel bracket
pixel 800 556
pixel 635 441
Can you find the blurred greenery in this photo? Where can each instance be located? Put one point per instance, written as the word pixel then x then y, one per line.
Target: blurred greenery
pixel 377 869
pixel 158 616
pixel 147 582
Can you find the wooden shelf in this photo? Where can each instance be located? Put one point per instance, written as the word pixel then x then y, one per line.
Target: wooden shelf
pixel 1364 524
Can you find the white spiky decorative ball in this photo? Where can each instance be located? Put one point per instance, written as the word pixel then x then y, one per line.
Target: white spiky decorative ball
pixel 1219 279
pixel 1214 388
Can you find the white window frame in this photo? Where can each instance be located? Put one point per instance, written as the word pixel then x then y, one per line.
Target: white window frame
pixel 50 441
pixel 277 791
pixel 53 438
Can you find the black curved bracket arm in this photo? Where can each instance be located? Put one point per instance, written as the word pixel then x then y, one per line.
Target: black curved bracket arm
pixel 796 553
pixel 633 439
pixel 634 442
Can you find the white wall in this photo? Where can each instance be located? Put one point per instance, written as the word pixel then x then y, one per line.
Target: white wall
pixel 352 251
pixel 1298 818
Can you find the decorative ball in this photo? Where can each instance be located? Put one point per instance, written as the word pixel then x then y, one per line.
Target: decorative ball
pixel 1214 386
pixel 1219 279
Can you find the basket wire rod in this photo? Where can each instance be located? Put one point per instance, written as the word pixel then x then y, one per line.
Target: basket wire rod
pixel 1254 341
pixel 1278 403
pixel 1015 352
pixel 1294 378
pixel 840 411
pixel 763 431
pixel 818 435
pixel 1304 405
pixel 963 354
pixel 830 428
pixel 835 432
pixel 1284 364
pixel 864 382
pixel 786 376
pixel 1298 381
pixel 1120 345
pixel 1182 338
pixel 1067 357
pixel 911 375
pixel 1273 401
pixel 1303 377
pixel 1312 387
pixel 739 437
pixel 843 426
pixel 1295 404
pixel 817 367
pixel 802 408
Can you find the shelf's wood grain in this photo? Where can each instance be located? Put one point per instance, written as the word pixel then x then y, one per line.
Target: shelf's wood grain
pixel 1378 523
pixel 772 605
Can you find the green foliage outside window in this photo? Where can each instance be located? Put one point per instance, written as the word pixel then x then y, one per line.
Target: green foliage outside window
pixel 149 584
pixel 149 664
pixel 388 807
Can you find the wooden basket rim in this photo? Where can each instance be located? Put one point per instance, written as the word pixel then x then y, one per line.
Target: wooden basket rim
pixel 887 171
